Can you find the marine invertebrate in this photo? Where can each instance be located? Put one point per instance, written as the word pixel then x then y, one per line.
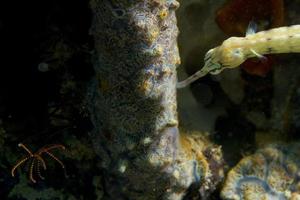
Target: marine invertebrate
pixel 235 50
pixel 270 173
pixel 207 158
pixel 136 128
pixel 37 160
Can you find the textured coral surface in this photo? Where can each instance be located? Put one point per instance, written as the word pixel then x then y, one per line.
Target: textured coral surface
pixel 270 173
pixel 133 102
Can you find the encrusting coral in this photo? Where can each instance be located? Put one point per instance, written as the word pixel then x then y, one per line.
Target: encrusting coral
pixel 207 158
pixel 133 104
pixel 271 173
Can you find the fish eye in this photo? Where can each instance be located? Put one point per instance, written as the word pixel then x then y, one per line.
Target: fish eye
pixel 237 52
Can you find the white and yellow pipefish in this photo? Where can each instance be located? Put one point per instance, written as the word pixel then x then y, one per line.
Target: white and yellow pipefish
pixel 235 50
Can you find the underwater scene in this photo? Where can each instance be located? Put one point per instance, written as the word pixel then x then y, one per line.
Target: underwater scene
pixel 150 100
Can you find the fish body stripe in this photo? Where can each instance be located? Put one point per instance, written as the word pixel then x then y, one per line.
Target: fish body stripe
pixel 235 50
pixel 277 40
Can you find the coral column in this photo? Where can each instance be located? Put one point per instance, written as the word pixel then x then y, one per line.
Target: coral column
pixel 133 101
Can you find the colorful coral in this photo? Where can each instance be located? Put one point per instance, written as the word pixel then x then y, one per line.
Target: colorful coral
pixel 270 173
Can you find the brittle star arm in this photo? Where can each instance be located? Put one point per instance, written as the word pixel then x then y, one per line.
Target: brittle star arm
pixel 55 146
pixel 31 171
pixel 25 148
pixel 18 164
pixel 57 160
pixel 42 160
pixel 38 169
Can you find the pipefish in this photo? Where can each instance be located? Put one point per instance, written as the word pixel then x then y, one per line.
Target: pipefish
pixel 235 50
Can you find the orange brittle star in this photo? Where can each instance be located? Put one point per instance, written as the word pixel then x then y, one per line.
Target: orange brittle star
pixel 37 160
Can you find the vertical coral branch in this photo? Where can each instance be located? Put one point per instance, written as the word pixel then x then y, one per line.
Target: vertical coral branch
pixel 133 100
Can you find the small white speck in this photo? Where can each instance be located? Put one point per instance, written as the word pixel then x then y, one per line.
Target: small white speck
pixel 122 167
pixel 147 140
pixel 287 194
pixel 43 67
pixel 176 174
